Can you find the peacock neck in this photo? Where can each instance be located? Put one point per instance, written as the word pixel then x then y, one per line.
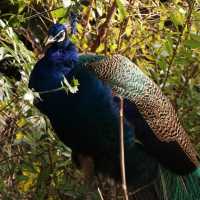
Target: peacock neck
pixel 62 55
pixel 57 46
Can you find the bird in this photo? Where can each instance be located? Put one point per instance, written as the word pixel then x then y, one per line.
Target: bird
pixel 87 121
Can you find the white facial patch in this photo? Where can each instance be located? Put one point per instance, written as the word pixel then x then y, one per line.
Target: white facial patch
pixel 60 36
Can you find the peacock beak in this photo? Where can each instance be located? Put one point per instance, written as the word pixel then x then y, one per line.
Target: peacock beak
pixel 49 40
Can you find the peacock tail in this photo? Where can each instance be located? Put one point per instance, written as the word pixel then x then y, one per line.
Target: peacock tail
pixel 168 186
pixel 178 187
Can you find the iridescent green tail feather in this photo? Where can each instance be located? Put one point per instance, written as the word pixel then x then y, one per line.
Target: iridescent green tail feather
pixel 176 187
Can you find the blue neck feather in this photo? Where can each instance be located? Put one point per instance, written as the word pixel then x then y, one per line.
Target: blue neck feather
pixel 59 60
pixel 62 53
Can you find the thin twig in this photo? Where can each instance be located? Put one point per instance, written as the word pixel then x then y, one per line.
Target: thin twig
pixel 178 43
pixel 41 13
pixel 123 51
pixel 41 17
pixel 142 188
pixel 122 154
pixel 87 17
pixel 23 154
pixel 102 32
pixel 13 100
pixel 121 32
pixel 100 193
pixel 53 177
pixel 10 157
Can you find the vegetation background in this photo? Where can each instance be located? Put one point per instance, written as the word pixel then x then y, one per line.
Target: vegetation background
pixel 162 37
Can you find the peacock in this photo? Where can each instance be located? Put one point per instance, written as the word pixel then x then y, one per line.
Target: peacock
pixel 160 161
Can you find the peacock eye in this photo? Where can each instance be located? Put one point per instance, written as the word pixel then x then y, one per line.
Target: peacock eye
pixel 60 36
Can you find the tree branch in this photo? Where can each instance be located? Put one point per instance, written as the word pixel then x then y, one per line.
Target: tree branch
pixel 187 22
pixel 122 154
pixel 102 31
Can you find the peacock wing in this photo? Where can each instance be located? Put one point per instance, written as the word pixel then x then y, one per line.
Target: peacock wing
pixel 130 82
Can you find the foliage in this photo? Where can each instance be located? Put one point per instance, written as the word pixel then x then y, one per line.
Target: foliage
pixel 162 38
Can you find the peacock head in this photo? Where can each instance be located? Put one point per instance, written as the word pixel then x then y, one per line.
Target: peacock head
pixel 56 34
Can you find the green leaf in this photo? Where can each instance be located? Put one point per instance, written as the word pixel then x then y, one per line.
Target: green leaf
pixel 113 46
pixel 28 167
pixel 75 82
pixel 195 37
pixel 72 87
pixel 129 28
pixel 22 178
pixel 121 7
pixel 2 185
pixel 169 45
pixel 162 63
pixel 16 20
pixel 192 44
pixel 100 48
pixel 177 17
pixel 58 13
pixel 21 6
pixel 79 28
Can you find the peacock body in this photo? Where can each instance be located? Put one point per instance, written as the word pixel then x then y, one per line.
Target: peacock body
pixel 88 122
